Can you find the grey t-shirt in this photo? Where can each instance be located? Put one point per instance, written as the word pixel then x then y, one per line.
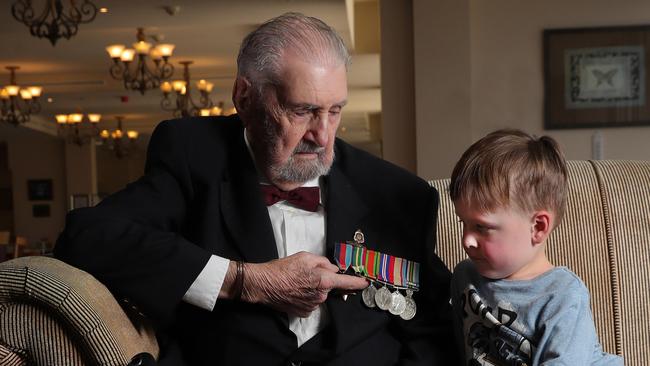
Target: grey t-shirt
pixel 543 321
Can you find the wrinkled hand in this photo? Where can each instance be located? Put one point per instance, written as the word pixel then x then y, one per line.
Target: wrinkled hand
pixel 296 284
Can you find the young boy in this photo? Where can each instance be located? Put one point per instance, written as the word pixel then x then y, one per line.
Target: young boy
pixel 511 305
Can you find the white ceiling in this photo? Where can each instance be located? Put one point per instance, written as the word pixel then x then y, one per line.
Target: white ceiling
pixel 74 73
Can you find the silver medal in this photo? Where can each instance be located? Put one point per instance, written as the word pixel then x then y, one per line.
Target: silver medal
pixel 383 298
pixel 368 296
pixel 397 303
pixel 409 307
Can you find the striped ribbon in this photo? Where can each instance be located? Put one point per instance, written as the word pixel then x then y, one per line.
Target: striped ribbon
pixel 343 256
pixel 383 267
pixel 358 256
pixel 397 272
pixel 372 266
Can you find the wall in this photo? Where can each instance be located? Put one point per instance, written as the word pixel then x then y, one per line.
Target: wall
pixel 113 174
pixel 397 84
pixel 35 155
pixel 73 170
pixel 81 170
pixel 479 67
pixel 6 196
pixel 509 90
pixel 442 84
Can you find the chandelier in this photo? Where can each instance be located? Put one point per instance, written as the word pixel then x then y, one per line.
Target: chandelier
pixel 18 103
pixel 181 102
pixel 70 127
pixel 142 76
pixel 54 22
pixel 114 140
pixel 217 110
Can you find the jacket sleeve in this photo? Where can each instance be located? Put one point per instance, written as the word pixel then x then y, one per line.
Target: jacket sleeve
pixel 131 240
pixel 428 339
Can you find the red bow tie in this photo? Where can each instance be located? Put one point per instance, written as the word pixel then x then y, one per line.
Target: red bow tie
pixel 306 198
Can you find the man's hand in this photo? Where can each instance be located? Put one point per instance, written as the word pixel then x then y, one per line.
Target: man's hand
pixel 296 284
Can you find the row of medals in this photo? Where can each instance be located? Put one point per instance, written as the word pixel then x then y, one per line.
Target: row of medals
pixel 394 302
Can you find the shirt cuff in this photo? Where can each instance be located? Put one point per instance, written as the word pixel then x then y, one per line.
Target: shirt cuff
pixel 205 289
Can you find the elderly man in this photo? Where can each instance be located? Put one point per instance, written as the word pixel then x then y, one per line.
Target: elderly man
pixel 226 241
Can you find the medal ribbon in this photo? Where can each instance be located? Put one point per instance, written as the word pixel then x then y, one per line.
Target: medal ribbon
pixel 371 266
pixel 397 272
pixel 377 261
pixel 358 254
pixel 343 256
pixel 383 267
pixel 413 274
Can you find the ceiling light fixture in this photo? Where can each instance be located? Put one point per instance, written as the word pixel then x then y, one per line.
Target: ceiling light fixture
pixel 142 77
pixel 18 103
pixel 114 140
pixel 72 129
pixel 181 103
pixel 55 21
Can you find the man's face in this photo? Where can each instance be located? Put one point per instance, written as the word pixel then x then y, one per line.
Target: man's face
pixel 499 243
pixel 298 139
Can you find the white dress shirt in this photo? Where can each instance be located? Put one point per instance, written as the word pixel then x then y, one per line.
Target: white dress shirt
pixel 295 230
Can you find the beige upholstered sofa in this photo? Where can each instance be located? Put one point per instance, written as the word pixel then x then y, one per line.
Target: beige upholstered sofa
pixel 604 238
pixel 54 314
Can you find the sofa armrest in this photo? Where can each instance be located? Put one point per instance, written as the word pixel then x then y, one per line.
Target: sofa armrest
pixel 53 313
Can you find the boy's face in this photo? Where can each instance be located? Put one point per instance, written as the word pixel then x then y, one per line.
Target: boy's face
pixel 500 243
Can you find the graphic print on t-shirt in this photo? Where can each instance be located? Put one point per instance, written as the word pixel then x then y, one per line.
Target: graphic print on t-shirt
pixel 489 336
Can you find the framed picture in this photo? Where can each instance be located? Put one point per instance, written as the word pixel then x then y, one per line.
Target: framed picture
pixel 596 77
pixel 39 189
pixel 41 210
pixel 79 201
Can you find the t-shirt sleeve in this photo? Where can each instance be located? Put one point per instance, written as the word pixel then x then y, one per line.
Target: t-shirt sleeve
pixel 568 335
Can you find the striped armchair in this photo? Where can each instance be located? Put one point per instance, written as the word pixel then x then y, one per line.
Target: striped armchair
pixel 54 314
pixel 604 238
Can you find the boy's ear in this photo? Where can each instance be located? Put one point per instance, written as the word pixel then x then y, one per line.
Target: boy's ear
pixel 541 226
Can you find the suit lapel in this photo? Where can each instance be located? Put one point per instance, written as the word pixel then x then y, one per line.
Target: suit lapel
pixel 245 215
pixel 344 209
pixel 345 214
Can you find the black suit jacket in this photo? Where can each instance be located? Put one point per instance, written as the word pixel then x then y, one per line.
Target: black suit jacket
pixel 200 196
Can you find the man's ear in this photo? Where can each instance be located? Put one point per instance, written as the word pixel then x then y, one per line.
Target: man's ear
pixel 542 224
pixel 241 94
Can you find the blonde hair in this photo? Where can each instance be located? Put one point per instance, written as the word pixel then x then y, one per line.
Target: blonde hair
pixel 510 168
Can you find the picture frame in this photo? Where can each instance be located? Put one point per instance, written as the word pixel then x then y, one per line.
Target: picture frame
pixel 596 77
pixel 39 189
pixel 41 210
pixel 79 201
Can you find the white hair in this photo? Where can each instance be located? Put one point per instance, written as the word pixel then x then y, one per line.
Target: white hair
pixel 261 52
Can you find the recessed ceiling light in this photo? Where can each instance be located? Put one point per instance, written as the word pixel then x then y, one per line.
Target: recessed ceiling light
pixel 103 10
pixel 50 100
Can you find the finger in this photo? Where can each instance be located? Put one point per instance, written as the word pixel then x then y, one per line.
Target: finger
pixel 325 263
pixel 329 267
pixel 347 282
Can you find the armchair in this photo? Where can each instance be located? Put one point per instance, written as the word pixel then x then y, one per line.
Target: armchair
pixel 54 314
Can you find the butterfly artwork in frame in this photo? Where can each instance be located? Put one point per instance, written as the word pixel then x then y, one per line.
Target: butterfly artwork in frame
pixel 596 77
